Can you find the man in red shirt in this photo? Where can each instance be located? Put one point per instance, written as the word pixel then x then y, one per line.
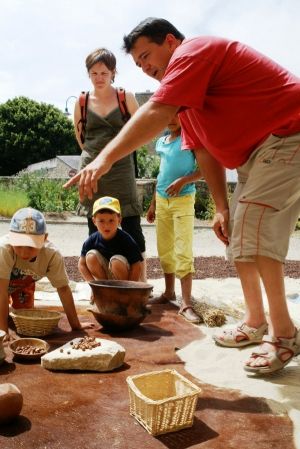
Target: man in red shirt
pixel 238 109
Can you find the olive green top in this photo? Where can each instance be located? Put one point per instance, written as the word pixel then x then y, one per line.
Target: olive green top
pixel 119 182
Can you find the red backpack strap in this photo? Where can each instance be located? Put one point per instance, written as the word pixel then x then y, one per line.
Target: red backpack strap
pixel 83 102
pixel 121 96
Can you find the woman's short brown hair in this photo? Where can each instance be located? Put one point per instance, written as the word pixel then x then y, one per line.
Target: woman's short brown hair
pixel 101 55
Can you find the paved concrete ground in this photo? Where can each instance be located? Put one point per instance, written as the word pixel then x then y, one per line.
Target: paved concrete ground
pixel 69 235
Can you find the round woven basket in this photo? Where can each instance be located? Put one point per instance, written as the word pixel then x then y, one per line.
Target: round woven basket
pixel 35 322
pixel 33 342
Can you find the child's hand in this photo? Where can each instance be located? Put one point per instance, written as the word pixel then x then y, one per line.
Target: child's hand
pixel 174 188
pixel 82 326
pixel 87 325
pixel 150 216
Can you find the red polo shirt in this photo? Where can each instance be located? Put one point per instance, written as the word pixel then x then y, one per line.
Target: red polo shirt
pixel 231 97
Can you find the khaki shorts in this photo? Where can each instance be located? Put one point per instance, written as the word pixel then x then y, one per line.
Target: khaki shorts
pixel 266 203
pixel 106 264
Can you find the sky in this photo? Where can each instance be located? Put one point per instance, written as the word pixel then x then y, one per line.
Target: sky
pixel 44 43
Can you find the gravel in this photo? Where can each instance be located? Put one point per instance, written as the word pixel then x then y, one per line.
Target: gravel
pixel 69 233
pixel 205 267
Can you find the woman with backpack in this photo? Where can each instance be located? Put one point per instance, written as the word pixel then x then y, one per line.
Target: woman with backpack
pixel 98 117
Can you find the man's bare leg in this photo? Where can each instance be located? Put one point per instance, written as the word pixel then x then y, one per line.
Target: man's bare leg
pixel 281 325
pixel 250 280
pixel 271 272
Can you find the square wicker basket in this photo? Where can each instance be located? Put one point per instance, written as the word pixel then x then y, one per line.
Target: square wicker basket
pixel 162 401
pixel 35 322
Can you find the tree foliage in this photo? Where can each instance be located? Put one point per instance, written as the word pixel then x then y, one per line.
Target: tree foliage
pixel 148 164
pixel 32 132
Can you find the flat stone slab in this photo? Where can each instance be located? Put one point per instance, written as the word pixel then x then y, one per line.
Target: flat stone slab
pixel 106 357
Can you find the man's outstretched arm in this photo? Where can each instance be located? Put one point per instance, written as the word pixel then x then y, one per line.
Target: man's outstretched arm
pixel 147 123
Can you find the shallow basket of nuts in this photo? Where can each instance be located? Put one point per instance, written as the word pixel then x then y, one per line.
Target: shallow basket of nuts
pixel 29 348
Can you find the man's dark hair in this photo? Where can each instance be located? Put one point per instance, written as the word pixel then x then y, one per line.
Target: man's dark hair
pixel 154 29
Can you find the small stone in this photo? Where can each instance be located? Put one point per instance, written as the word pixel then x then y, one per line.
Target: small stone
pixel 11 402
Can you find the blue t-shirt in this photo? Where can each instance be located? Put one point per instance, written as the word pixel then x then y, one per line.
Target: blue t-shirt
pixel 122 243
pixel 174 163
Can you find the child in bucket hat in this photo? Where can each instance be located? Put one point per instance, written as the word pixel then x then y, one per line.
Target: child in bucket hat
pixel 26 256
pixel 109 253
pixel 27 228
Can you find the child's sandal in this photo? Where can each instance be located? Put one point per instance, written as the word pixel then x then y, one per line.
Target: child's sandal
pixel 189 314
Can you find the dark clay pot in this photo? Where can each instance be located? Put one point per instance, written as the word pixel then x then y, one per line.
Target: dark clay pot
pixel 120 305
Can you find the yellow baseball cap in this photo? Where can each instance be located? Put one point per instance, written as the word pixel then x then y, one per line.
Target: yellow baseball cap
pixel 107 202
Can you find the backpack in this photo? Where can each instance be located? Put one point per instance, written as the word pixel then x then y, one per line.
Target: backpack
pixel 83 102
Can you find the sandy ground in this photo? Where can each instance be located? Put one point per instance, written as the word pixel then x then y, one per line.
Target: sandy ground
pixel 222 367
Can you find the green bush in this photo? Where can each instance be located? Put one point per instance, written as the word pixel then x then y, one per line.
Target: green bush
pixel 204 206
pixel 48 195
pixel 146 203
pixel 148 164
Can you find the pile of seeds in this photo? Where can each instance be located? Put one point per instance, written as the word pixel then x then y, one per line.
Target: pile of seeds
pixel 29 350
pixel 84 344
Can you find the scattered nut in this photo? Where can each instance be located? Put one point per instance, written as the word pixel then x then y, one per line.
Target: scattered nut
pixel 86 343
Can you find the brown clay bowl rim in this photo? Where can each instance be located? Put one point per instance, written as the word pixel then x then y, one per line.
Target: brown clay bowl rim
pixel 126 285
pixel 29 341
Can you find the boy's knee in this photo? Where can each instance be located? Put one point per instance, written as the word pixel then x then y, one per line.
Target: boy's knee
pixel 91 260
pixel 95 261
pixel 119 266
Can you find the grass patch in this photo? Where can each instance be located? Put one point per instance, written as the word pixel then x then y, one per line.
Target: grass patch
pixel 11 201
